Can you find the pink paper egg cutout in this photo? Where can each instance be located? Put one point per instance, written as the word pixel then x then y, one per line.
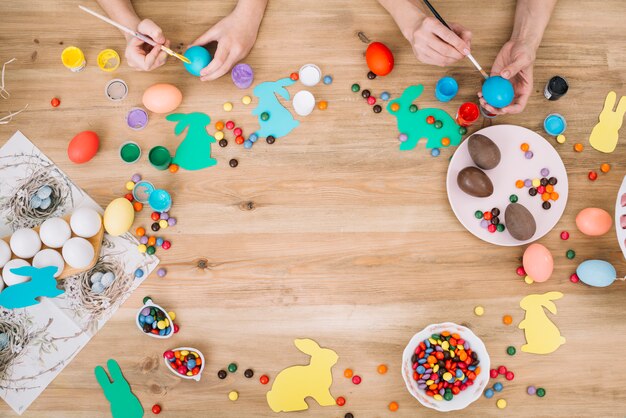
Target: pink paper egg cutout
pixel 538 262
pixel 593 221
pixel 162 98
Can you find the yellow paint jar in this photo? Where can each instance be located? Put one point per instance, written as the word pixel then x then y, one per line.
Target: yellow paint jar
pixel 108 60
pixel 73 58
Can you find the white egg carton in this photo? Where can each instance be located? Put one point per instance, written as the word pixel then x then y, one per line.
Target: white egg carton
pixel 620 212
pixel 95 241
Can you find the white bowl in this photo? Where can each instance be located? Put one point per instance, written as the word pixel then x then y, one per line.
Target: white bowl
pixel 467 396
pixel 150 304
pixel 196 377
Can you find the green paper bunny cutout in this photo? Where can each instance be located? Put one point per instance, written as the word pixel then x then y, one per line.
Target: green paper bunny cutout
pixel 194 153
pixel 123 403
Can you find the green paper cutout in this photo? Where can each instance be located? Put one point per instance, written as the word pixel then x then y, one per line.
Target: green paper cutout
pixel 194 153
pixel 22 295
pixel 414 125
pixel 124 404
pixel 281 121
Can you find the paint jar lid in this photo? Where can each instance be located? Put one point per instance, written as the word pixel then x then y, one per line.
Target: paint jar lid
pixel 73 57
pixel 116 90
pixel 137 118
pixel 130 152
pixel 303 102
pixel 310 75
pixel 160 200
pixel 554 124
pixel 142 191
pixel 108 60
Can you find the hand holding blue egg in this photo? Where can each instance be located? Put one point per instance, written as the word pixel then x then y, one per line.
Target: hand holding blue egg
pixel 498 91
pixel 199 57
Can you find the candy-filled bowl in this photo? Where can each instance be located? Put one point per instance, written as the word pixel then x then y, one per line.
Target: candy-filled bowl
pixel 417 352
pixel 154 321
pixel 185 362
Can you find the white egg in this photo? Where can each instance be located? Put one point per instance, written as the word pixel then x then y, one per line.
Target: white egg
pixel 49 257
pixel 25 243
pixel 54 232
pixel 1 287
pixel 78 253
pixel 5 253
pixel 11 278
pixel 85 222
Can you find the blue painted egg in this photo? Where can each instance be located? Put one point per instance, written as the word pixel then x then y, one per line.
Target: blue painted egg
pixel 596 273
pixel 498 92
pixel 199 58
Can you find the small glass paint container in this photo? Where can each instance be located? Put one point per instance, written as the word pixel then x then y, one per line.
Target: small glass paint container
pixel 467 114
pixel 108 60
pixel 310 75
pixel 555 88
pixel 73 59
pixel 446 89
pixel 487 114
pixel 554 124
pixel 137 118
pixel 116 90
pixel 130 152
pixel 160 158
pixel 160 200
pixel 142 191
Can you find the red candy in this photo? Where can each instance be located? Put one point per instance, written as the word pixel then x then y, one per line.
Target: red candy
pixel 169 354
pixel 237 131
pixel 264 380
pixel 155 216
pixel 239 139
pixel 341 401
pixel 356 379
pixel 230 124
pixel 493 373
pixel 430 120
pixel 294 76
pixel 371 100
pixel 593 175
pixel 509 375
pixel 541 190
pixel 502 370
pixel 487 216
pixel 564 235
pixel 574 278
pixel 176 328
pixel 520 272
pixel 166 245
pixel 129 197
pixel 156 409
pixel 55 102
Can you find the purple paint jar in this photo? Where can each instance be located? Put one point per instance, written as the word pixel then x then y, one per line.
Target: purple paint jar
pixel 137 118
pixel 242 75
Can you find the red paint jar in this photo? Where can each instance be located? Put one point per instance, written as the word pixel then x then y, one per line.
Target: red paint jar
pixel 467 114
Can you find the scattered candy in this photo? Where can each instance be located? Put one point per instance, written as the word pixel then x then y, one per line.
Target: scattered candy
pixel 578 147
pixel 413 109
pixel 498 387
pixel 382 369
pixel 510 350
pixel 355 88
pixel 173 168
pixel 501 403
pixel 574 278
pixel 246 100
pixel 156 409
pixel 564 235
pixel 402 137
pixel 605 168
pixel 560 139
pixel 377 109
pixel 228 106
pixel 435 152
pixel 55 102
pixel 161 273
pixel 341 401
pixel 395 107
pixel 393 406
pixel 233 163
pixel 570 254
pixel 322 105
pixel 233 395
pixel 219 125
pixel 270 139
pixel 294 76
pixel 230 125
pixel 479 311
pixel 264 379
pixel 347 373
pixel 365 94
pixel 232 367
pixel 541 392
pixel 139 273
pixel 328 79
pixel 356 380
pixel 219 135
pixel 489 393
pixel 384 96
pixel 520 271
pixel 248 373
pixel 371 100
pixel 528 280
pixel 222 374
pixel 507 320
pixel 531 390
pixel 509 375
pixel 592 175
pixel 371 75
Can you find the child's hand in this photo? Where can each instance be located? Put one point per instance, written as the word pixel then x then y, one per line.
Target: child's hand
pixel 235 36
pixel 515 63
pixel 435 44
pixel 142 56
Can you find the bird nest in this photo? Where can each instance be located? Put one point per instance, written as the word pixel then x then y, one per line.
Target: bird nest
pixel 17 330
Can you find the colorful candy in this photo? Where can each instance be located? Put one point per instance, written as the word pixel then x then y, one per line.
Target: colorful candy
pixel 156 409
pixel 55 102
pixel 153 320
pixel 187 363
pixel 381 369
pixel 507 320
pixel 490 220
pixel 348 373
pixel 393 406
pixel 479 310
pixel 356 379
pixel 264 379
pixel 233 395
pixel 341 401
pixel 510 350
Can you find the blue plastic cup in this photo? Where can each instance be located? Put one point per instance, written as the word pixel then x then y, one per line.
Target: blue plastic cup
pixel 554 124
pixel 446 89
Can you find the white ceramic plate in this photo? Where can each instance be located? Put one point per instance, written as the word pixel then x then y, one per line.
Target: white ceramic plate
pixel 619 212
pixel 513 166
pixel 467 396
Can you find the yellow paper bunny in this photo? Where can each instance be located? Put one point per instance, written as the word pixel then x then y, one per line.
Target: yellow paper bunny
pixel 295 383
pixel 605 134
pixel 542 336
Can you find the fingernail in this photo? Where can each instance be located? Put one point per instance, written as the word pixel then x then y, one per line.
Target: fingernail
pixel 466 51
pixel 506 73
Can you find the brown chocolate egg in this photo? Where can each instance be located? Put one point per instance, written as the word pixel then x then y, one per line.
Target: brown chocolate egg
pixel 474 182
pixel 484 152
pixel 520 222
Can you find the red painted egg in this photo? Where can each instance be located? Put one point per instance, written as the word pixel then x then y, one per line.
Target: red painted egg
pixel 83 147
pixel 379 58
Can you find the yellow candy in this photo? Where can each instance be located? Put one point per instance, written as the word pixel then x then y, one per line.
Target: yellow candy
pixel 166 322
pixel 184 353
pixel 560 139
pixel 432 341
pixel 429 382
pixel 163 224
pixel 501 403
pixel 445 345
pixel 130 185
pixel 233 396
pixel 142 248
pixel 536 182
pixel 189 374
pixel 528 280
pixel 436 368
pixel 228 106
pixel 161 325
pixel 172 315
pixel 219 135
pixel 246 100
pixel 438 397
pixel 479 311
pixel 447 376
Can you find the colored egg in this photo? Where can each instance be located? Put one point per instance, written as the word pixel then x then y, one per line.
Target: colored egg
pixel 379 58
pixel 199 58
pixel 118 216
pixel 498 91
pixel 484 152
pixel 83 147
pixel 162 98
pixel 474 182
pixel 596 273
pixel 538 262
pixel 593 221
pixel 520 222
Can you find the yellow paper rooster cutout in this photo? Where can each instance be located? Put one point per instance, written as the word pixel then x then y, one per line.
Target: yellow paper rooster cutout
pixel 605 134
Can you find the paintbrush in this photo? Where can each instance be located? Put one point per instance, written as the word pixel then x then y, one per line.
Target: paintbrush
pixel 135 34
pixel 439 18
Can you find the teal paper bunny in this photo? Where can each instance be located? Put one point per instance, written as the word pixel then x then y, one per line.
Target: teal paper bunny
pixel 415 126
pixel 194 153
pixel 280 121
pixel 22 295
pixel 123 403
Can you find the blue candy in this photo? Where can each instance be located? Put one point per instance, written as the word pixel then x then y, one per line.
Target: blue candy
pixel 420 369
pixel 191 364
pixel 489 394
pixel 384 96
pixel 253 138
pixel 498 387
pixel 149 320
pixel 328 79
pixel 435 152
pixel 139 273
pixel 159 241
pixel 247 144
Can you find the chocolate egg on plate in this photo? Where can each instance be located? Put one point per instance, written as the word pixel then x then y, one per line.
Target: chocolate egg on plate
pixel 474 182
pixel 484 152
pixel 520 222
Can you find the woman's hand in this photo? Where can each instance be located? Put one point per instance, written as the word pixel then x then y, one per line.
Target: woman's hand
pixel 435 44
pixel 142 56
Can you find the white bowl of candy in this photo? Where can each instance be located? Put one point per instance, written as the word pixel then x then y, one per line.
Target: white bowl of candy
pixel 454 389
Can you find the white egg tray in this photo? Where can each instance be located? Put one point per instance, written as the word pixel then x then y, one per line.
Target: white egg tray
pixel 620 212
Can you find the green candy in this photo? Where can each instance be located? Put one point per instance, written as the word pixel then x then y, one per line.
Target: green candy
pixel 541 392
pixel 265 116
pixel 510 350
pixel 356 87
pixel 478 214
pixel 570 254
pixel 448 396
pixel 232 367
pixel 146 299
pixel 462 130
pixel 151 250
pixel 438 124
pixel 513 198
pixel 500 227
pixel 413 108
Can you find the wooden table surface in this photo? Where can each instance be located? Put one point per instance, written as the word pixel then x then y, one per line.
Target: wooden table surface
pixel 332 233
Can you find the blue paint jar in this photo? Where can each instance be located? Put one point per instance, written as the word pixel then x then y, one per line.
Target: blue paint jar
pixel 554 124
pixel 446 89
